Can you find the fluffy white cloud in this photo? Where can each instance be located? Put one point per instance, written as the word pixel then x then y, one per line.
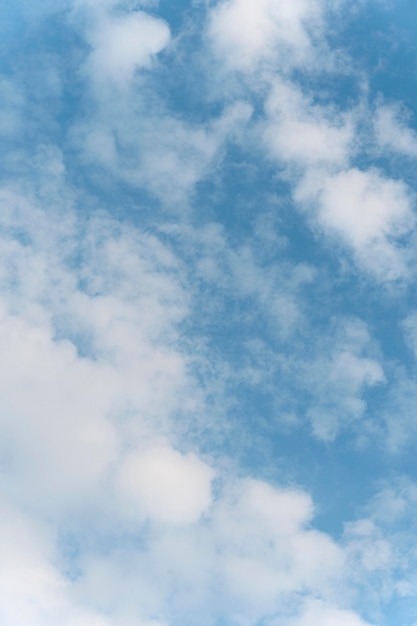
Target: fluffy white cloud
pixel 32 589
pixel 166 154
pixel 85 369
pixel 251 556
pixel 40 430
pixel 316 143
pixel 165 485
pixel 93 377
pixel 269 553
pixel 302 134
pixel 284 511
pixel 246 33
pixel 318 612
pixel 106 517
pixel 121 44
pixel 365 209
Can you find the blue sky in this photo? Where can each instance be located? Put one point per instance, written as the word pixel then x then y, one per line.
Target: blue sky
pixel 208 319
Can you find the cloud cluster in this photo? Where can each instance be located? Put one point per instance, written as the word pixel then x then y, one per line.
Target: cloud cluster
pixel 247 35
pixel 109 518
pixel 317 143
pixel 129 130
pixel 122 45
pixel 128 338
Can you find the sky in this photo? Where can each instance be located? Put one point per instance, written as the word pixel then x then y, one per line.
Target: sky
pixel 208 313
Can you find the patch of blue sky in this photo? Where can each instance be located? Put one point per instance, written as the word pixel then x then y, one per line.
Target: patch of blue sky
pixel 382 39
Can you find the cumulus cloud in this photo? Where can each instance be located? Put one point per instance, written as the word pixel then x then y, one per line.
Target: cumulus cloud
pixel 92 380
pixel 165 153
pixel 365 207
pixel 319 613
pixel 304 134
pixel 79 358
pixel 249 557
pixel 246 33
pixel 165 485
pixel 122 44
pixel 315 141
pixel 367 210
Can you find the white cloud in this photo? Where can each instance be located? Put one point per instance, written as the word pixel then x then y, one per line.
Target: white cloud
pixel 368 211
pixel 62 410
pixel 90 366
pixel 41 430
pixel 245 559
pixel 92 379
pixel 302 134
pixel 318 612
pixel 129 130
pixel 32 589
pixel 78 360
pixel 165 485
pixel 94 406
pixel 122 44
pixel 249 558
pixel 316 143
pixel 268 551
pixel 96 374
pixel 364 207
pixel 246 33
pixel 283 511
